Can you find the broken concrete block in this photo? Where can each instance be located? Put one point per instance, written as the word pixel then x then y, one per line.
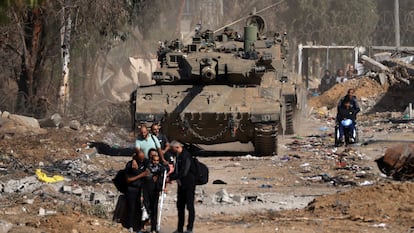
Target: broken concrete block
pixel 383 78
pixel 238 199
pixel 51 212
pixel 53 121
pixel 67 189
pixel 20 125
pixel 27 184
pixel 78 191
pixel 29 201
pixel 42 212
pixel 97 198
pixel 374 65
pixel 380 57
pixel 28 122
pixel 223 197
pixel 5 226
pixel 5 114
pixel 75 125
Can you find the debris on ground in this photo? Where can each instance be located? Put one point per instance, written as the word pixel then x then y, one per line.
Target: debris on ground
pixel 308 167
pixel 398 162
pixel 54 121
pixel 12 125
pixel 396 68
pixel 390 204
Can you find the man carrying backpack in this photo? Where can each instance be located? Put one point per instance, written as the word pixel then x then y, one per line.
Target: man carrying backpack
pixel 184 174
pixel 136 171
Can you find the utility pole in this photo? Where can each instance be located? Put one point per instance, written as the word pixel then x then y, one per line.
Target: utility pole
pixel 397 23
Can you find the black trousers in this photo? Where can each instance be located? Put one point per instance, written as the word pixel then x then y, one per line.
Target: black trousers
pixel 185 198
pixel 151 197
pixel 154 209
pixel 133 195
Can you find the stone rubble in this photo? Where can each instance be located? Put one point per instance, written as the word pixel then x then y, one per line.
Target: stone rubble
pixel 5 226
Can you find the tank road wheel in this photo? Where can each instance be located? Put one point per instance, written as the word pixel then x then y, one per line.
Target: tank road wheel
pixel 265 139
pixel 290 119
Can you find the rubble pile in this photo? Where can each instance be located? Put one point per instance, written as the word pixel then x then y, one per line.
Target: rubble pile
pixel 389 67
pixel 30 159
pixel 398 162
pixel 386 87
pixel 368 90
pixel 11 125
pixel 80 181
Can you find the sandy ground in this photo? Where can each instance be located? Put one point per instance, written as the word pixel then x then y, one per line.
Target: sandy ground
pixel 287 192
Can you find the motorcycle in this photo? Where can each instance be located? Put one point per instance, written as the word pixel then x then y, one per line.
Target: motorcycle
pixel 350 132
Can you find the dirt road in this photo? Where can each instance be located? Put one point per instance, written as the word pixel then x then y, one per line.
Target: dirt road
pixel 310 186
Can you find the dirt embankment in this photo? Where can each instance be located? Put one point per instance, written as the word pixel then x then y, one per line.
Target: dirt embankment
pixel 364 88
pixel 385 203
pixel 380 208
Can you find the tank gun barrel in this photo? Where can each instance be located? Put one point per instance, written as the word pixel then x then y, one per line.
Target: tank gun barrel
pixel 245 17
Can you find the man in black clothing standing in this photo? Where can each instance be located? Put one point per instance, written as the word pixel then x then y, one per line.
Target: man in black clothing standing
pixel 186 180
pixel 154 187
pixel 136 171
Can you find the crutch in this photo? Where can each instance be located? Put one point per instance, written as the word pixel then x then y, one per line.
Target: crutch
pixel 161 201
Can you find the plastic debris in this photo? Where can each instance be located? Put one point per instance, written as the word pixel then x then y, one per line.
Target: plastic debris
pixel 47 179
pixel 366 183
pixel 380 225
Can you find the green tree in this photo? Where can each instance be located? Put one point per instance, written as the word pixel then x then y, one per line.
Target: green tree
pixel 332 21
pixel 26 38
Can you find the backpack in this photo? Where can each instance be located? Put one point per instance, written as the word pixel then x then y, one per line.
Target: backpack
pixel 120 181
pixel 201 172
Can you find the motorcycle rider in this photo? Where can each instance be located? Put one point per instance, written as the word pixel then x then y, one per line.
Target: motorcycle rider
pixel 353 100
pixel 346 118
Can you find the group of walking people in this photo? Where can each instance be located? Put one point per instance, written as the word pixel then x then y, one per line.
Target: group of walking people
pixel 156 162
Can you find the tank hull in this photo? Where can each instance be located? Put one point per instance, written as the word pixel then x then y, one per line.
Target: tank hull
pixel 208 114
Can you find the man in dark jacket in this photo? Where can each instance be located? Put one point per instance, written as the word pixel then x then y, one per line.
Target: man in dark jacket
pixel 153 187
pixel 186 180
pixel 136 171
pixel 327 81
pixel 353 100
pixel 346 118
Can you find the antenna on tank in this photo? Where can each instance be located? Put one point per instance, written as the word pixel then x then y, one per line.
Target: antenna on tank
pixel 245 17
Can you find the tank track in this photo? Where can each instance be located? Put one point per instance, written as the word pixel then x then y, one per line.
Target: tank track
pixel 265 139
pixel 290 118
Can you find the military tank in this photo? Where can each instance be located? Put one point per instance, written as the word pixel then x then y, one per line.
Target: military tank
pixel 223 87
